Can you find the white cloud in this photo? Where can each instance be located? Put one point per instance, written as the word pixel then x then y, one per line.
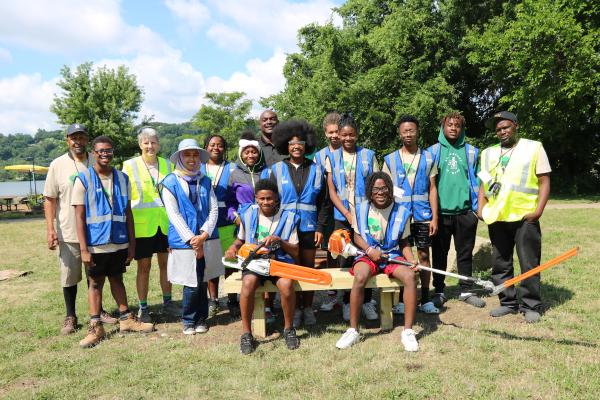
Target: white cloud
pixel 228 38
pixel 5 55
pixel 66 26
pixel 193 13
pixel 25 104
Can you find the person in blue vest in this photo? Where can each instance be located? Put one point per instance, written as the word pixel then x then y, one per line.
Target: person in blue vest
pixel 193 211
pixel 331 128
pixel 413 173
pixel 101 197
pixel 218 169
pixel 458 187
pixel 381 232
pixel 347 172
pixel 300 185
pixel 265 222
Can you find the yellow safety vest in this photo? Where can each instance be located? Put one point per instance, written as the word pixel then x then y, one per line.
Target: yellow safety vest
pixel 519 190
pixel 146 205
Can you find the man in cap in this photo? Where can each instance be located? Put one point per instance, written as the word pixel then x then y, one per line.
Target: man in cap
pixel 515 177
pixel 60 219
pixel 267 122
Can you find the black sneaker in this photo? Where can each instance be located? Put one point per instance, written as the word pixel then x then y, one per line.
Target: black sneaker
pixel 247 343
pixel 234 309
pixel 438 300
pixel 291 340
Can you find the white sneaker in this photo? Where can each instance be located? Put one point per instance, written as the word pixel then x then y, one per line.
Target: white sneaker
pixel 189 330
pixel 409 340
pixel 202 327
pixel 369 310
pixel 297 318
pixel 398 308
pixel 328 303
pixel 346 312
pixel 309 316
pixel 348 339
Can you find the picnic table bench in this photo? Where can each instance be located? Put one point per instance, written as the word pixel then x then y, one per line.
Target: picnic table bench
pixel 340 280
pixel 8 201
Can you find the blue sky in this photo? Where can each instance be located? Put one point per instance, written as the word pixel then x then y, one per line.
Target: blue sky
pixel 178 49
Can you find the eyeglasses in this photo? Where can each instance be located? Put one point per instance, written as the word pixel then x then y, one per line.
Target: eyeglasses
pixel 108 152
pixel 409 131
pixel 299 142
pixel 381 189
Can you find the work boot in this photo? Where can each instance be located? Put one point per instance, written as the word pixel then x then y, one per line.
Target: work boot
pixel 69 326
pixel 130 323
pixel 106 318
pixel 95 335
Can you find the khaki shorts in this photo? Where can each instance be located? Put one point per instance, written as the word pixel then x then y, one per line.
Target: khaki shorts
pixel 69 261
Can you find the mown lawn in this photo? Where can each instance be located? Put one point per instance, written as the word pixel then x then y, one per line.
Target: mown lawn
pixel 464 352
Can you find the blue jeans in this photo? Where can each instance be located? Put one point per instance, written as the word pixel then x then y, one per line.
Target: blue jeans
pixel 195 300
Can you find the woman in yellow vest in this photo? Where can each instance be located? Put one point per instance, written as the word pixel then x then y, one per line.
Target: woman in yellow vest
pixel 150 218
pixel 515 177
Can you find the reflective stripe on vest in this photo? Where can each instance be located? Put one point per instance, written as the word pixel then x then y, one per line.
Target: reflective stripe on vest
pixel 146 200
pixel 391 242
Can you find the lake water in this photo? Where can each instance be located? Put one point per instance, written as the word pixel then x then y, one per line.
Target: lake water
pixel 22 188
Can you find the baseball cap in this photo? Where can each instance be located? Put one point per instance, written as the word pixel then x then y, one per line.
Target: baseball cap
pixel 499 116
pixel 74 128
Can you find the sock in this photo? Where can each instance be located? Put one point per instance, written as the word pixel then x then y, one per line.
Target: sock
pixel 167 298
pixel 95 318
pixel 143 304
pixel 124 314
pixel 70 294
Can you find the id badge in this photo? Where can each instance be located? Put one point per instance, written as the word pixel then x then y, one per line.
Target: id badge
pixel 484 176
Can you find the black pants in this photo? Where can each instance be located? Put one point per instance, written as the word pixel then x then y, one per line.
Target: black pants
pixel 527 238
pixel 464 228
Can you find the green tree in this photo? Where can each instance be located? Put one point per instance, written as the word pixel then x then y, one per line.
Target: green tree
pixel 105 100
pixel 226 114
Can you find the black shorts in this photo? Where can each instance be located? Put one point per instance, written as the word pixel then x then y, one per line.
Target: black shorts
pixel 146 247
pixel 261 278
pixel 419 235
pixel 306 240
pixel 108 264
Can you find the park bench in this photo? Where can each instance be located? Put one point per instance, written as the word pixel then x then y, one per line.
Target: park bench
pixel 341 280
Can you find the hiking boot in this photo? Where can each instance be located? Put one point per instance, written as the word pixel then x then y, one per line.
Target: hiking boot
pixel 201 327
pixel 247 343
pixel 309 316
pixel 69 325
pixel 348 339
pixel 502 311
pixel 531 316
pixel 234 309
pixel 130 323
pixel 106 318
pixel 439 299
pixel 213 308
pixel 346 312
pixel 408 338
pixel 297 320
pixel 472 299
pixel 171 309
pixel 144 315
pixel 291 340
pixel 94 336
pixel 370 311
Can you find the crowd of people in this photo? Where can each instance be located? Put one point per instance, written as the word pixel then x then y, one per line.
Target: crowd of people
pixel 196 206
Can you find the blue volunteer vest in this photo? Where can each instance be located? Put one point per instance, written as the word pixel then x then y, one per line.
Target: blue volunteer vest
pixel 415 199
pixel 287 223
pixel 221 191
pixel 105 223
pixel 399 216
pixel 364 168
pixel 472 154
pixel 193 215
pixel 305 205
pixel 321 156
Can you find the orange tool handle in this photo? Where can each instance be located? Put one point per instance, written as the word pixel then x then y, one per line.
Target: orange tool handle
pixel 566 255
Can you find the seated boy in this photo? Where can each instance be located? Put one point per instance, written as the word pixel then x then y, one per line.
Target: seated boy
pixel 264 222
pixel 381 233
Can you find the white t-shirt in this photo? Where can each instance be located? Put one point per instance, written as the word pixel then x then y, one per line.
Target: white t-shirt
pixel 59 185
pixel 78 198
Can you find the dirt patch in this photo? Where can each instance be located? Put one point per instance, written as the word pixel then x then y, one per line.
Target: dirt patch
pixel 24 384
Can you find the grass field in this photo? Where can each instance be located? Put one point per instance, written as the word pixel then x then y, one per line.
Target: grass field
pixel 464 352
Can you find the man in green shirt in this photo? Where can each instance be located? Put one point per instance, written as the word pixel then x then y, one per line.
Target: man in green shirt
pixel 457 183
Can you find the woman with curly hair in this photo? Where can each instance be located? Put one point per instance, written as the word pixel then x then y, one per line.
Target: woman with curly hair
pixel 300 185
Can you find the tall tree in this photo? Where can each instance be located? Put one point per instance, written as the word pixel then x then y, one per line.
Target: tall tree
pixel 105 100
pixel 226 114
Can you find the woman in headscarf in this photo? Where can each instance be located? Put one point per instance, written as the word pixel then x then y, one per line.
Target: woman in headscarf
pixel 193 211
